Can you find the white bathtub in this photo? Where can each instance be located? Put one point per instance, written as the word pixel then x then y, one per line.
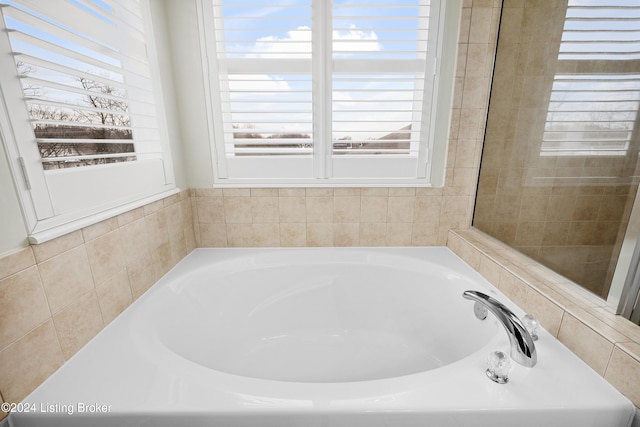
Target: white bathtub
pixel 316 337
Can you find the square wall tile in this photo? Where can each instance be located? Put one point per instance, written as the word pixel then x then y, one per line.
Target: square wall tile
pixel 16 261
pixel 78 323
pixel 23 305
pixel 65 277
pixel 590 346
pixel 25 364
pixel 623 372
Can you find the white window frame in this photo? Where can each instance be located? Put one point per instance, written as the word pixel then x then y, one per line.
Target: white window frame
pixel 304 171
pixel 56 202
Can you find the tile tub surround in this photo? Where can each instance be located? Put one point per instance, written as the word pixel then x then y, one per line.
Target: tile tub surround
pixel 608 343
pixel 328 216
pixel 56 296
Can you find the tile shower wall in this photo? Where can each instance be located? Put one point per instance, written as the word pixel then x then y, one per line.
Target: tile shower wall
pixel 569 213
pixel 56 296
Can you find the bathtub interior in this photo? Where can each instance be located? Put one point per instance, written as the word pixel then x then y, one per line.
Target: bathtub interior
pixel 148 366
pixel 319 317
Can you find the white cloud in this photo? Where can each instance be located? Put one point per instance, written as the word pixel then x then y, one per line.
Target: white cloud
pixel 297 43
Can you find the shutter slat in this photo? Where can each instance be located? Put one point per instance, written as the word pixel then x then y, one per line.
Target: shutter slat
pixel 85 74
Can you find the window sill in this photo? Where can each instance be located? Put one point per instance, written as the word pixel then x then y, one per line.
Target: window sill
pixel 47 230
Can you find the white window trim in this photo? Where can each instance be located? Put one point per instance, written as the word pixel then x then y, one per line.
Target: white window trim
pixel 41 222
pixel 440 114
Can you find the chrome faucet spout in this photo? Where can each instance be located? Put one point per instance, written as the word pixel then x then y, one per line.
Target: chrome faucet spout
pixel 523 349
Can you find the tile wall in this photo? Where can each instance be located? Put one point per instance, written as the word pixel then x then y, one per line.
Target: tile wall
pixel 568 212
pixel 56 296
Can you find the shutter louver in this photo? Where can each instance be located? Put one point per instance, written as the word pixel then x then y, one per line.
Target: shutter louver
pixel 89 94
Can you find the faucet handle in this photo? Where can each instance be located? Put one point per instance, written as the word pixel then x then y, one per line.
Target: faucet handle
pixel 532 325
pixel 498 367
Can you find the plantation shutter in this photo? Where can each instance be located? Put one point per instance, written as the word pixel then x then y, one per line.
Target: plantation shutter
pixel 593 112
pixel 382 83
pixel 262 88
pixel 91 109
pixel 322 90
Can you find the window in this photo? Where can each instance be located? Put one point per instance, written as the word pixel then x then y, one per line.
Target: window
pixel 314 91
pixel 81 114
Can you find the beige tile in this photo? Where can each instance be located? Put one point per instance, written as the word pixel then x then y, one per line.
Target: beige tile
pixel 240 235
pixel 57 246
pixel 470 254
pixel 106 256
pixel 213 235
pixel 175 221
pixel 373 208
pixel 590 346
pixel 346 234
pixel 514 288
pixel 187 213
pixel 548 313
pixel 237 210
pixel 264 192
pixel 490 270
pixel 399 234
pixel 157 233
pixel 373 233
pixel 25 364
pixel 400 209
pixel 65 277
pixel 319 209
pixel 129 217
pixel 427 209
pixel 375 191
pixel 293 234
pixel 190 239
pixel 178 247
pixel 16 261
pixel 78 323
pixel 265 210
pixel 424 234
pixel 236 192
pixel 471 119
pixel 477 60
pixel 150 208
pixel 346 191
pixel 175 198
pixel 266 235
pixel 208 192
pixel 3 414
pixel 454 207
pixel 134 240
pixel 210 210
pixel 23 305
pixel 402 191
pixel 623 372
pixel 141 274
pixel 346 209
pixel 161 259
pixel 292 209
pixel 114 296
pixel 96 230
pixel 291 192
pixel 319 192
pixel 320 234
